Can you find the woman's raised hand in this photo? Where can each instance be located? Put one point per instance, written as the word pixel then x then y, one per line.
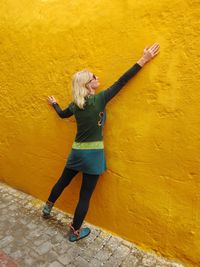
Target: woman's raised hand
pixel 149 53
pixel 51 100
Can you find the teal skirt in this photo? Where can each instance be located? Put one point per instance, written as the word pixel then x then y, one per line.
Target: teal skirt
pixel 91 161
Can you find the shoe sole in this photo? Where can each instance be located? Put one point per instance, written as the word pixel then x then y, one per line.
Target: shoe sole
pixel 80 237
pixel 46 216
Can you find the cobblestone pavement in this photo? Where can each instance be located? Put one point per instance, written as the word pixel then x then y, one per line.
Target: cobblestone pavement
pixel 33 241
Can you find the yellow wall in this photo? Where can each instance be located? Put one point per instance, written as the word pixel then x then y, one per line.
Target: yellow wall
pixel 151 192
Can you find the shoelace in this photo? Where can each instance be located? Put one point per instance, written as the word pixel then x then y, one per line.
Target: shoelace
pixel 76 232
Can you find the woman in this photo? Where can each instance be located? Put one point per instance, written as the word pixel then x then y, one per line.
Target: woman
pixel 87 154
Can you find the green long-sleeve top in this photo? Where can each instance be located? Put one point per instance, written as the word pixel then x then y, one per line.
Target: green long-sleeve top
pixel 91 119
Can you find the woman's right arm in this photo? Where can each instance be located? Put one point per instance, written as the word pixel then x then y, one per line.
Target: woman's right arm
pixel 148 54
pixel 66 113
pixel 110 92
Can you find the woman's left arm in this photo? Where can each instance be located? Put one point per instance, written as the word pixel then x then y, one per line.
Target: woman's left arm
pixel 148 54
pixel 66 113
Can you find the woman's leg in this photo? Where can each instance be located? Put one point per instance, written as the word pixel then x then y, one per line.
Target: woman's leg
pixel 63 182
pixel 88 185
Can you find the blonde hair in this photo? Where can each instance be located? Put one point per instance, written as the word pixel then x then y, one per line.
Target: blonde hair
pixel 79 90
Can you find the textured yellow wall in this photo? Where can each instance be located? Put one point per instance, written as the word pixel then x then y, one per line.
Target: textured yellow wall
pixel 151 192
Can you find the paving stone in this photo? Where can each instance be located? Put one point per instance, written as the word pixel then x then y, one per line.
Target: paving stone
pixel 57 238
pixel 114 262
pixel 85 257
pixel 24 221
pixel 119 256
pixel 148 260
pixel 34 234
pixel 8 197
pixel 33 254
pixel 74 251
pixel 113 243
pixel 3 218
pixel 50 256
pixel 4 212
pixel 89 253
pixel 41 239
pixel 3 205
pixel 80 262
pixel 130 261
pixel 9 249
pixel 136 252
pixel 99 243
pixel 55 264
pixel 13 207
pixel 121 252
pixel 103 255
pixel 17 255
pixel 44 248
pixel 61 248
pixel 96 263
pixel 6 240
pixel 65 259
pixel 32 226
pixel 20 242
pixel 51 232
pixel 39 263
pixel 26 262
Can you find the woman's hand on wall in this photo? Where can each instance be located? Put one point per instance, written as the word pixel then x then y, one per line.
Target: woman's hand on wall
pixel 51 100
pixel 148 54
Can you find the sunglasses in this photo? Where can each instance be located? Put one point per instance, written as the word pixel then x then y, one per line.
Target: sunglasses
pixel 93 78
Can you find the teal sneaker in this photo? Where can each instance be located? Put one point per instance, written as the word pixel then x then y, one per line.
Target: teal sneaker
pixel 76 235
pixel 47 209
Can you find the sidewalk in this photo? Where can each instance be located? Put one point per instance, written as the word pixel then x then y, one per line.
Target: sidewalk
pixel 31 241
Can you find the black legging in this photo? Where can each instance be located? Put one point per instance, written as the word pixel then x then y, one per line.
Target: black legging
pixel 89 182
